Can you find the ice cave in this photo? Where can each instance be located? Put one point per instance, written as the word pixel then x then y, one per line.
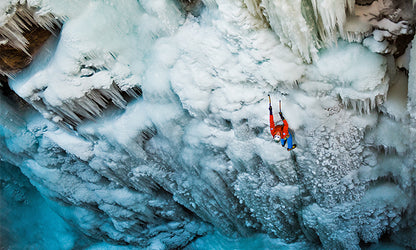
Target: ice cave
pixel 144 124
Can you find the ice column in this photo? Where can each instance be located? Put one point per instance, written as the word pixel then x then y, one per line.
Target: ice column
pixel 304 26
pixel 411 104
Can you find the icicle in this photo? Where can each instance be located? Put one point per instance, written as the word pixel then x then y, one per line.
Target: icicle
pixel 98 98
pixel 362 106
pixel 354 36
pixel 366 106
pixel 114 94
pixel 21 20
pixel 305 26
pixel 90 106
pixel 254 8
pixel 385 149
pixel 210 4
pixel 134 92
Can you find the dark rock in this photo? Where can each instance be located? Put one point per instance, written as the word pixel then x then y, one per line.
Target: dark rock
pixel 364 2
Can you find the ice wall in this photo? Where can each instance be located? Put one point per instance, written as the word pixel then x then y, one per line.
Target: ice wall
pixel 146 123
pixel 24 209
pixel 385 26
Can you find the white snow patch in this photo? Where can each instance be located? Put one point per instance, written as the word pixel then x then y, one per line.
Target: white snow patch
pixel 71 143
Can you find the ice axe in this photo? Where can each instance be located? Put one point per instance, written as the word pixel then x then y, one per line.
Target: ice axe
pixel 280 103
pixel 270 101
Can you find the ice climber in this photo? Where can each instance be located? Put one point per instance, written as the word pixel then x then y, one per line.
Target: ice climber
pixel 281 132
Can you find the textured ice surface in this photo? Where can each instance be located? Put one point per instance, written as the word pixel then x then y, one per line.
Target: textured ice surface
pixel 147 124
pixel 27 220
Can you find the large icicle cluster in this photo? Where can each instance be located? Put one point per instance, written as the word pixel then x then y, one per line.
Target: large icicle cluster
pixel 18 18
pixel 385 26
pixel 24 27
pixel 94 77
pixel 147 123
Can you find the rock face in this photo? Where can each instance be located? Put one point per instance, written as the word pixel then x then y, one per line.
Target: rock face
pixel 150 120
pixel 392 25
pixel 22 34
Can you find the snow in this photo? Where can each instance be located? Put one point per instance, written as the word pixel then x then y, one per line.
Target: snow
pixel 379 46
pixel 387 26
pixel 355 80
pixel 147 126
pixel 396 103
pixel 71 143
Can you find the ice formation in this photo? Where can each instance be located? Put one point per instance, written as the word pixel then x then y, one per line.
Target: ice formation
pixel 145 123
pixel 18 18
pixel 23 30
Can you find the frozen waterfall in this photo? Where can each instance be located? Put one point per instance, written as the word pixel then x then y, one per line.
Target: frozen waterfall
pixel 144 124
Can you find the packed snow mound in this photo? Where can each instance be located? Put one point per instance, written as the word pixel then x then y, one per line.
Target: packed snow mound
pixel 147 124
pixel 360 80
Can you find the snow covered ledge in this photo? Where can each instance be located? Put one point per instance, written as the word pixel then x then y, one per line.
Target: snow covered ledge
pixel 359 81
pixel 75 77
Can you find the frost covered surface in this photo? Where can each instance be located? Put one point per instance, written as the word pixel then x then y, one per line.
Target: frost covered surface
pixel 149 124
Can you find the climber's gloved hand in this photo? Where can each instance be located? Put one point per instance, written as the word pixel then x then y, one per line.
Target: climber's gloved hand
pixel 270 108
pixel 281 115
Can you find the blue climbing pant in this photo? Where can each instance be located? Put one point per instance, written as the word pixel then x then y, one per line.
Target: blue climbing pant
pixel 288 140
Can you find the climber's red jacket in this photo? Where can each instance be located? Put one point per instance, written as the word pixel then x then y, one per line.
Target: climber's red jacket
pixel 282 129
